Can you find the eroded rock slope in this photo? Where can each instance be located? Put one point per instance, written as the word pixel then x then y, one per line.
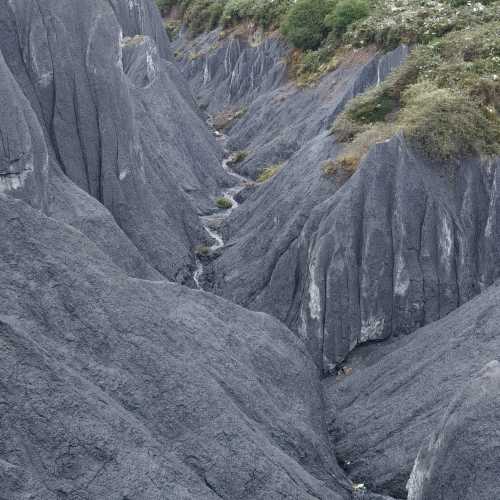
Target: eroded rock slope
pixel 399 393
pixel 114 115
pixel 114 387
pixel 342 260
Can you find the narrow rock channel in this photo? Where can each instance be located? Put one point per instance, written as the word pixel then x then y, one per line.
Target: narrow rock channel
pixel 213 223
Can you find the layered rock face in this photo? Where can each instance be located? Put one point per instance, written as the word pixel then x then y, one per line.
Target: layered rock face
pixel 278 117
pixel 115 118
pixel 118 383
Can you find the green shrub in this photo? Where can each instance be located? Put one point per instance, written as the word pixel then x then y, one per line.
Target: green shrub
pixel 203 15
pixel 165 5
pixel 447 124
pixel 393 22
pixel 269 172
pixel 345 13
pixel 239 156
pixel 263 12
pixel 202 250
pixel 224 203
pixel 349 159
pixel 304 26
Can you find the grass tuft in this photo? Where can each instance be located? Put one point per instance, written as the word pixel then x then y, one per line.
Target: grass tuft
pixel 269 172
pixel 224 203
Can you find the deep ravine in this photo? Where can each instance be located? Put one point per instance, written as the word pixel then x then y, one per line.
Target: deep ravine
pixel 213 223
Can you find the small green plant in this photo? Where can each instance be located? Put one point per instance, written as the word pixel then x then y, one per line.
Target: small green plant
pixel 264 13
pixel 224 203
pixel 238 157
pixel 172 27
pixel 269 172
pixel 202 250
pixel 446 123
pixel 329 168
pixel 227 117
pixel 445 98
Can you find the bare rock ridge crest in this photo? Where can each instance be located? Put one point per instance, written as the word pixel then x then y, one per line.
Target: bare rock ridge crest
pixel 119 380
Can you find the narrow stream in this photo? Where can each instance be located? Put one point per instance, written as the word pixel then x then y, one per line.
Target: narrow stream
pixel 213 223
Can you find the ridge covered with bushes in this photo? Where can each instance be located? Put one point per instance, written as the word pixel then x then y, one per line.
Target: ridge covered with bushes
pixel 446 97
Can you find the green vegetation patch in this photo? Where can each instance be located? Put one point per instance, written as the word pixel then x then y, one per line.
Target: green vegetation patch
pixel 202 250
pixel 227 117
pixel 445 98
pixel 224 203
pixel 269 172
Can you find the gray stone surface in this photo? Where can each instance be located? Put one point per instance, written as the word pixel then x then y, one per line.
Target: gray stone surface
pixel 398 393
pixel 116 118
pixel 398 245
pixel 116 383
pixel 280 118
pixel 462 458
pixel 114 387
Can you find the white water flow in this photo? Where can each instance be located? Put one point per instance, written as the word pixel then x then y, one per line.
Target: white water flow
pixel 213 223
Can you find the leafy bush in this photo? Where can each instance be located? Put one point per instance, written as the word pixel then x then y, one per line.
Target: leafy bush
pixel 447 124
pixel 262 12
pixel 393 22
pixel 345 13
pixel 202 250
pixel 224 203
pixel 309 66
pixel 203 15
pixel 355 150
pixel 165 5
pixel 304 25
pixel 446 97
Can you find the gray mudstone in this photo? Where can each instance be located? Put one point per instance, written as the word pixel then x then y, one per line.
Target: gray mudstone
pixel 399 392
pixel 114 387
pixel 111 112
pixel 462 457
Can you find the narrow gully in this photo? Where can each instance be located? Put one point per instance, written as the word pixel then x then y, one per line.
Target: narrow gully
pixel 213 223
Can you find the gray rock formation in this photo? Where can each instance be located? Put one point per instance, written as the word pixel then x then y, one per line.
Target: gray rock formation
pixel 279 118
pixel 114 387
pixel 462 458
pixel 93 93
pixel 116 383
pixel 400 244
pixel 398 392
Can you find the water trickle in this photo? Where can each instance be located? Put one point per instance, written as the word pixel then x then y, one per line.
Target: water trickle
pixel 213 223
